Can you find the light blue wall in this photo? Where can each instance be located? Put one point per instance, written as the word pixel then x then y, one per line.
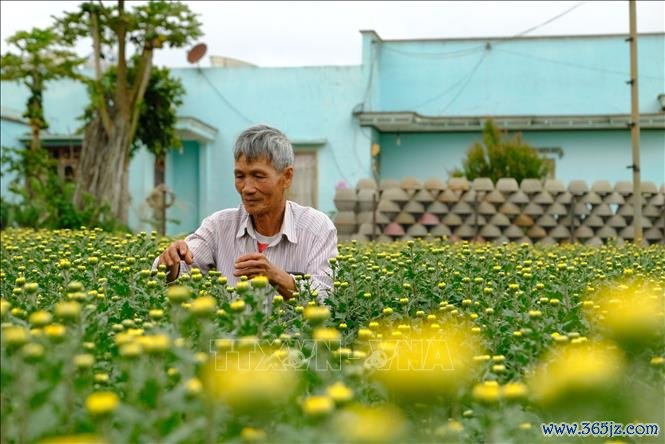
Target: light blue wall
pixel 587 155
pixel 573 75
pixel 182 170
pixel 306 103
pixel 141 182
pixel 531 76
pixel 10 131
pixel 64 102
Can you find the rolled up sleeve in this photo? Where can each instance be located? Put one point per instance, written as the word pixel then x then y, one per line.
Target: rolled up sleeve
pixel 319 262
pixel 200 243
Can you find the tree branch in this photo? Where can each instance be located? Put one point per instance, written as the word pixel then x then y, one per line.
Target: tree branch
pixel 142 75
pixel 121 99
pixel 97 49
pixel 139 87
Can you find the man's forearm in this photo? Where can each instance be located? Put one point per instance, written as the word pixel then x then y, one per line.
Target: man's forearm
pixel 284 283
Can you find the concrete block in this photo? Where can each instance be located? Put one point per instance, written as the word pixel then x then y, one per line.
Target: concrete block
pixel 556 209
pixel 583 232
pixel 592 198
pixel 452 220
pixel 543 198
pixel 509 209
pixel 386 184
pixel 603 210
pixel 410 183
pixel 424 196
pixel 513 232
pixel 500 220
pixel 366 184
pixel 483 184
pixel 519 197
pixel 531 186
pixel 578 187
pixel 429 220
pixel 434 184
pixel 536 232
pixel 462 208
pixel 601 187
pixel 397 195
pixel 458 183
pixel 546 221
pixel 606 232
pixel 507 185
pixel 465 232
pixel 593 221
pixel 404 218
pixel 559 232
pixel 533 209
pixel 447 196
pixel 614 198
pixel 486 208
pixel 554 186
pixel 564 198
pixel 594 242
pixel 624 187
pixel 415 208
pixel 393 229
pixel 495 197
pixel 417 230
pixel 438 208
pixel 616 221
pixel 523 220
pixel 440 230
pixel 490 231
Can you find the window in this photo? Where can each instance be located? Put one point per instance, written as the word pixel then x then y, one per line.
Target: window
pixel 67 159
pixel 304 187
pixel 550 154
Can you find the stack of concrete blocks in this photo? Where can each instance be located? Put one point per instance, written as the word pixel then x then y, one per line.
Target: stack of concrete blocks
pixel 543 212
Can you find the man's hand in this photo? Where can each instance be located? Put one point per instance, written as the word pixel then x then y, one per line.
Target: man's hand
pixel 256 264
pixel 172 256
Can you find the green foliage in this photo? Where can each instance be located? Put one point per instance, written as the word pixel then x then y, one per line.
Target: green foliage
pixel 157 119
pixel 156 127
pixel 37 58
pixel 155 24
pixel 50 204
pixel 83 312
pixel 497 157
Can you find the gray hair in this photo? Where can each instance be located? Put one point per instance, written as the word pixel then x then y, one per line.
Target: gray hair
pixel 262 140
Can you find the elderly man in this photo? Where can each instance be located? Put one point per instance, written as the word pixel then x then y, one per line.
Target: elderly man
pixel 267 234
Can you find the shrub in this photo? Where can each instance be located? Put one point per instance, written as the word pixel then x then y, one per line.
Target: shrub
pixel 497 156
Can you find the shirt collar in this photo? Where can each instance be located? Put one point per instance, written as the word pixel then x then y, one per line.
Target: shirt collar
pixel 288 226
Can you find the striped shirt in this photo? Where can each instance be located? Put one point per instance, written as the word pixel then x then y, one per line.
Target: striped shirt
pixel 305 243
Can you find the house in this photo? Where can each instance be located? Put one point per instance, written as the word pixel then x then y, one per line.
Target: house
pixel 412 108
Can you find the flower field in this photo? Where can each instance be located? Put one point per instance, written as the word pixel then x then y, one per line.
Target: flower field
pixel 420 341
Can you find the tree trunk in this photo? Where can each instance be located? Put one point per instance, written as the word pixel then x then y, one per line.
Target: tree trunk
pixel 104 165
pixel 160 211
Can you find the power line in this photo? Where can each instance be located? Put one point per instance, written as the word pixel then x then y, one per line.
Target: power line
pixel 454 85
pixel 438 55
pixel 556 17
pixel 224 99
pixel 466 83
pixel 574 65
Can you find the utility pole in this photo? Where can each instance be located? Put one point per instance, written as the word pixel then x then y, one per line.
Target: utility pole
pixel 635 126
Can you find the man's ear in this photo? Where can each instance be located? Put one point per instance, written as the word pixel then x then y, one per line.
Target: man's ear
pixel 288 176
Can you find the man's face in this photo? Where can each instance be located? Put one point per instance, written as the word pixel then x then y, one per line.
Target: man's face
pixel 261 187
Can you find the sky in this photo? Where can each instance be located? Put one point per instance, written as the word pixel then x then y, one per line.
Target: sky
pixel 327 33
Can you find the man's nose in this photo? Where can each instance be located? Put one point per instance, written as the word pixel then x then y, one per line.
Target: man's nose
pixel 248 187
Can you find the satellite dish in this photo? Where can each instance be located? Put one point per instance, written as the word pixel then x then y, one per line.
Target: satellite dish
pixel 196 53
